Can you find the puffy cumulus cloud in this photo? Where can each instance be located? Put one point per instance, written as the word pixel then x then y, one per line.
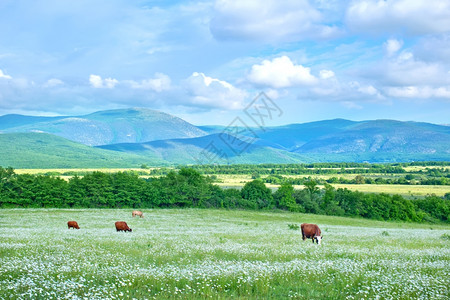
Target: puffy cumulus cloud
pixel 404 16
pixel 392 46
pixel 281 72
pixel 269 21
pixel 206 91
pixel 98 82
pixel 4 76
pixel 160 83
pixel 405 70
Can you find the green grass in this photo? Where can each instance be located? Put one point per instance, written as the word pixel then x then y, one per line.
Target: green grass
pixel 41 150
pixel 196 254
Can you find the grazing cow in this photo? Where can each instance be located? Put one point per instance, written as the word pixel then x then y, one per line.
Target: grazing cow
pixel 122 226
pixel 311 231
pixel 137 213
pixel 73 224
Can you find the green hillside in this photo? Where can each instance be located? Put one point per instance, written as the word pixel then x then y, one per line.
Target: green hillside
pixel 132 125
pixel 40 150
pixel 201 150
pixel 14 120
pixel 135 136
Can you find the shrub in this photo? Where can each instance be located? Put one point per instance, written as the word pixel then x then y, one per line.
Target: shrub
pixel 293 226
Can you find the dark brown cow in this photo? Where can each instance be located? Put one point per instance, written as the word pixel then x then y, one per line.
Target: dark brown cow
pixel 73 224
pixel 122 226
pixel 311 231
pixel 137 213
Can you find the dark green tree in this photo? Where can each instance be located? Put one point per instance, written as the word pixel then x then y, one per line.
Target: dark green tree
pixel 256 192
pixel 312 188
pixel 284 198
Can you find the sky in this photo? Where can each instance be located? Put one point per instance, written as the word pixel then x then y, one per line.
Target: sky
pixel 207 61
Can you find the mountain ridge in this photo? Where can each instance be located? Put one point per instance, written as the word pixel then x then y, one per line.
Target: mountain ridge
pixel 144 136
pixel 113 126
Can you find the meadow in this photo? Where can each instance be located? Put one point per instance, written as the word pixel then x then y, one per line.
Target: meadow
pixel 220 254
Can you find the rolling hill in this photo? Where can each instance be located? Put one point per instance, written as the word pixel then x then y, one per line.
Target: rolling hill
pixel 13 120
pixel 42 150
pixel 107 127
pixel 214 148
pixel 131 137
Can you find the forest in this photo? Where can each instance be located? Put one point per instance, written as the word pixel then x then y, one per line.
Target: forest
pixel 187 187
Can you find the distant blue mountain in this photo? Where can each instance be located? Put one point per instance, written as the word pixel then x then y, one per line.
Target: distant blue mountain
pixel 215 148
pixel 160 138
pixel 292 137
pixel 12 120
pixel 111 126
pixel 383 136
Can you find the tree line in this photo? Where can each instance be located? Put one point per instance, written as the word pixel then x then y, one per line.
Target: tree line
pixel 409 179
pixel 188 188
pixel 318 168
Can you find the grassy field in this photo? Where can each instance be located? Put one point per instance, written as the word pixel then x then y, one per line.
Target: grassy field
pixel 413 190
pixel 238 181
pixel 196 254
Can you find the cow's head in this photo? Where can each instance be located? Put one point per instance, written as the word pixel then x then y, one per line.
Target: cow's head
pixel 318 239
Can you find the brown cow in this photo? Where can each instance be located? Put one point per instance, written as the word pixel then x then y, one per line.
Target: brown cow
pixel 137 213
pixel 122 226
pixel 311 231
pixel 73 224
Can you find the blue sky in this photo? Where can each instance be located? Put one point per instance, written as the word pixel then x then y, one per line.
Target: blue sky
pixel 205 61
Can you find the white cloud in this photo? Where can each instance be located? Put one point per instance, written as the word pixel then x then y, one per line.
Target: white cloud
pixel 97 82
pixel 160 83
pixel 419 92
pixel 110 82
pixel 365 89
pixel 406 70
pixel 369 90
pixel 4 76
pixel 210 92
pixel 392 46
pixel 53 82
pixel 269 20
pixel 402 16
pixel 272 94
pixel 326 74
pixel 281 73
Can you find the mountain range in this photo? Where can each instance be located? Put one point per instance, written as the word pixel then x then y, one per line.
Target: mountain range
pixel 135 136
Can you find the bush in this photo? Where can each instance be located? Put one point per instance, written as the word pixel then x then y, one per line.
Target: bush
pixel 445 236
pixel 293 226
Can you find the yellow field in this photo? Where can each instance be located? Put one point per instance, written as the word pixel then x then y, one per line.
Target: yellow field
pixel 238 181
pixel 415 190
pixel 419 168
